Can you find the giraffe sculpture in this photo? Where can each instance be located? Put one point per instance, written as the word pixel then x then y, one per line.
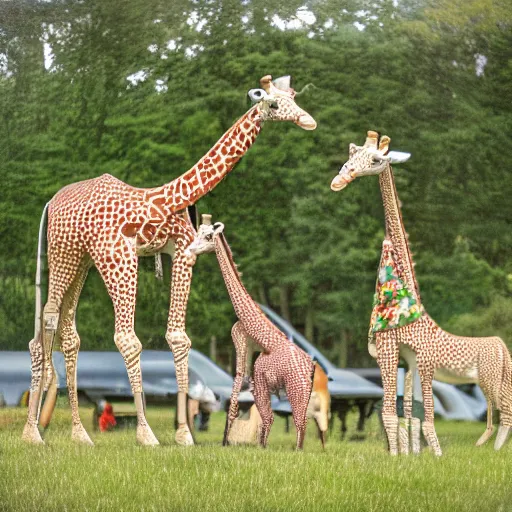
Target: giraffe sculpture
pixel 280 365
pixel 109 224
pixel 400 325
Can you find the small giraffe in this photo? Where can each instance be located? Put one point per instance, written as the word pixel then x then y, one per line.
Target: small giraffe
pixel 400 325
pixel 109 224
pixel 280 365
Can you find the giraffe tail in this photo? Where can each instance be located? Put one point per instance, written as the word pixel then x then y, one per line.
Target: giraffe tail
pixel 41 252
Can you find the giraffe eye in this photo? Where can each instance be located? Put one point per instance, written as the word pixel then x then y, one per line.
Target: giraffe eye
pixel 274 105
pixel 208 238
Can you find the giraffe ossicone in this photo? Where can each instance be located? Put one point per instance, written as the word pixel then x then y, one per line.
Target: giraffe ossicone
pixel 400 326
pixel 281 364
pixel 109 224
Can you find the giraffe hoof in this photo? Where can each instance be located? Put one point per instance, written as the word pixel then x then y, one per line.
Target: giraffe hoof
pixel 32 435
pixel 503 433
pixel 145 436
pixel 183 436
pixel 79 435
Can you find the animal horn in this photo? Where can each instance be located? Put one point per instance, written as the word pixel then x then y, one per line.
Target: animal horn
pixel 372 139
pixel 218 227
pixel 206 219
pixel 384 144
pixel 266 82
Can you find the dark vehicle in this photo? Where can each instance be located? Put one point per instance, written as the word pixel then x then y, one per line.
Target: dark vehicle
pixel 102 376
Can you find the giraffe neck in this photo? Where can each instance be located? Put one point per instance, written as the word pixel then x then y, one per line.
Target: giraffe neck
pixel 395 230
pixel 242 302
pixel 213 167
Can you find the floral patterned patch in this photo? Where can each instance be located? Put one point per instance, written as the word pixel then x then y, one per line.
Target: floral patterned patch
pixel 393 305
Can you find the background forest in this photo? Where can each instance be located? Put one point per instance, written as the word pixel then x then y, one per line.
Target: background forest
pixel 142 89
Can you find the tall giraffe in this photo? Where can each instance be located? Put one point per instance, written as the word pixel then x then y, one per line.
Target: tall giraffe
pixel 109 224
pixel 400 325
pixel 281 365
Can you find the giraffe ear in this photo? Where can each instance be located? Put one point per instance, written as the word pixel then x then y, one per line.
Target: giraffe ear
pixel 398 157
pixel 218 228
pixel 283 83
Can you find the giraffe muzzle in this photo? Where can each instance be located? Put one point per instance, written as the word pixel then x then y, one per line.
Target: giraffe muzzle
pixel 341 180
pixel 306 122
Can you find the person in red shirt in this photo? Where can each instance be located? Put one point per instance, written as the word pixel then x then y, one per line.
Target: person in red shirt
pixel 107 419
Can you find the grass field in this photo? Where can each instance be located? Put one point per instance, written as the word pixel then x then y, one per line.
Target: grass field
pixel 118 475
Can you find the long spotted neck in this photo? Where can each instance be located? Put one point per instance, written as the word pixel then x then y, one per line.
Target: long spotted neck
pixel 395 230
pixel 213 166
pixel 248 312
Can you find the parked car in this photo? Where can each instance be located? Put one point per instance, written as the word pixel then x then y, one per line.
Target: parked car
pixel 347 389
pixel 103 376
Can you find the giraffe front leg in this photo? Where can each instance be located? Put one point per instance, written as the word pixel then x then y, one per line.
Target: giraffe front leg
pixel 130 348
pixel 387 358
pixel 177 338
pixel 240 340
pixel 429 431
pixel 118 266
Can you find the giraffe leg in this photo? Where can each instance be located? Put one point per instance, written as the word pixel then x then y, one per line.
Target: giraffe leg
pixel 262 401
pixel 490 428
pixel 502 436
pixel 240 341
pixel 298 395
pixel 118 267
pixel 429 431
pixel 387 359
pixel 177 339
pixel 70 345
pixel 30 432
pixel 405 427
pixel 42 371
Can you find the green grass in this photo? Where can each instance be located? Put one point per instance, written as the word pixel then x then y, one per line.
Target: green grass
pixel 117 474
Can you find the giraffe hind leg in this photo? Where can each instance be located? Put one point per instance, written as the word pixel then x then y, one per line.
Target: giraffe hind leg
pixel 42 366
pixel 490 428
pixel 30 432
pixel 70 345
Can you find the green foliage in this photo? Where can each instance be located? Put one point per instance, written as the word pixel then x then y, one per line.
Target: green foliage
pixel 411 73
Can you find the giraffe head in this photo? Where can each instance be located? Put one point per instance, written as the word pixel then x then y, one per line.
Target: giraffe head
pixel 276 102
pixel 367 160
pixel 205 239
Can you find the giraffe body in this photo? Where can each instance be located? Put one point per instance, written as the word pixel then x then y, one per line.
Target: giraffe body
pixel 400 325
pixel 109 224
pixel 281 364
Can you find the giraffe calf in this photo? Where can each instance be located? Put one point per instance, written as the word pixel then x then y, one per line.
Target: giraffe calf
pixel 281 365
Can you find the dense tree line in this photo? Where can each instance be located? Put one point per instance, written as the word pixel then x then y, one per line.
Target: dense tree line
pixel 141 89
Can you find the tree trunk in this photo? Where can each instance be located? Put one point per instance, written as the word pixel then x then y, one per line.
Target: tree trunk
pixel 309 327
pixel 343 352
pixel 262 294
pixel 213 349
pixel 284 303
